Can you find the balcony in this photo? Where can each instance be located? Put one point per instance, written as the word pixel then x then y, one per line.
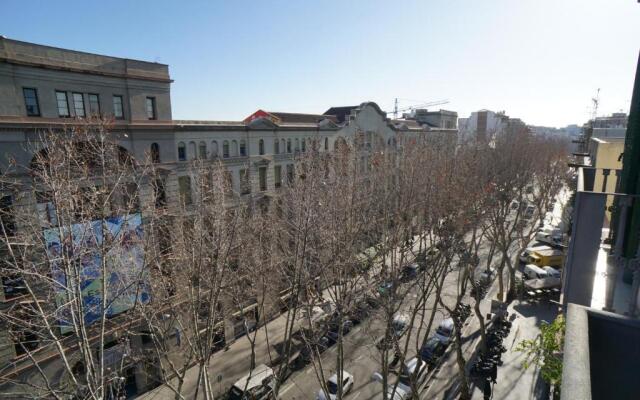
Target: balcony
pixel 594 274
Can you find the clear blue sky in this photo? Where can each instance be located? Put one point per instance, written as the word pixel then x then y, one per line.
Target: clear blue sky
pixel 540 60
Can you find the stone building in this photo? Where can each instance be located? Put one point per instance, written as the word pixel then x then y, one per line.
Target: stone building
pixel 44 88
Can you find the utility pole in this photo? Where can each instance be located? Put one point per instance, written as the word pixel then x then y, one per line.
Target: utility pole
pixel 395 109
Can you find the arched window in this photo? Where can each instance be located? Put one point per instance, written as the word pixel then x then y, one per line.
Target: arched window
pixel 192 150
pixel 234 148
pixel 214 149
pixel 297 145
pixel 283 146
pixel 288 145
pixel 225 149
pixel 304 145
pixel 261 147
pixel 276 146
pixel 243 148
pixel 326 143
pixel 202 151
pixel 182 152
pixel 155 153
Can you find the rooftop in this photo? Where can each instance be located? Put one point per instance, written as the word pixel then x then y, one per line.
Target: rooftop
pixel 40 56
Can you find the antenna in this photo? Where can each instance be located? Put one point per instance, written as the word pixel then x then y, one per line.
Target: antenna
pixel 595 101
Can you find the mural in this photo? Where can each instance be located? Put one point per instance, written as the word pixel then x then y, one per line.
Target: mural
pixel 105 253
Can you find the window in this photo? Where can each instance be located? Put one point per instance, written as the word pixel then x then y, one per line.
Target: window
pixel 289 173
pixel 276 146
pixel 297 145
pixel 130 200
pixel 155 153
pixel 326 143
pixel 63 104
pixel 78 104
pixel 214 149
pixel 262 172
pixel 261 147
pixel 31 102
pixel 151 107
pixel 192 150
pixel 225 149
pixel 245 182
pixel 202 151
pixel 304 145
pixel 277 176
pixel 160 192
pixel 288 145
pixel 94 104
pixel 283 146
pixel 234 148
pixel 184 184
pixel 118 108
pixel 243 148
pixel 228 182
pixel 7 219
pixel 182 152
pixel 46 210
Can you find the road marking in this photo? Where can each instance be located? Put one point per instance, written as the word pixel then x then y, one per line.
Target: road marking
pixel 285 390
pixel 310 370
pixel 355 396
pixel 360 357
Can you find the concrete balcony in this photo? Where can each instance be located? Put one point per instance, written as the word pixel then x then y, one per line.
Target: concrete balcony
pixel 594 273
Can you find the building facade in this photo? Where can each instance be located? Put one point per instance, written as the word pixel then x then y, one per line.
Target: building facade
pixel 47 89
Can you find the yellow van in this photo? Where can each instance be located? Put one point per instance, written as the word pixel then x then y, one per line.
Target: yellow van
pixel 546 257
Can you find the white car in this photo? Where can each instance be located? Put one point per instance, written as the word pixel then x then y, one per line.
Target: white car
pixel 413 366
pixel 332 386
pixel 445 331
pixel 553 239
pixel 400 324
pixel 552 272
pixel 397 393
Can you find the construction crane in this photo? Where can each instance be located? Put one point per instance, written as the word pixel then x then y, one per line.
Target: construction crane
pixel 415 106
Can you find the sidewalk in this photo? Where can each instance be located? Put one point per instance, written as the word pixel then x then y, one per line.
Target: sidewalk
pixel 513 381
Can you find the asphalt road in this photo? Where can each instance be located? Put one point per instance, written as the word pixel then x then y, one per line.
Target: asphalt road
pixel 362 358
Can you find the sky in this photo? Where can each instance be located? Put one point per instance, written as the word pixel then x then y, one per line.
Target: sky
pixel 538 60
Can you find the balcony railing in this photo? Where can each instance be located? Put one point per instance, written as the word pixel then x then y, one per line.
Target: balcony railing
pixel 594 274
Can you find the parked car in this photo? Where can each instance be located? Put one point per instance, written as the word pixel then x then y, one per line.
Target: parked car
pixel 528 212
pixel 314 316
pixel 532 271
pixel 395 392
pixel 416 369
pixel 410 271
pixel 400 324
pixel 385 288
pixel 334 329
pixel 524 256
pixel 256 385
pixel 553 239
pixel 332 386
pixel 550 257
pixel 552 272
pixel 444 332
pixel 432 351
pixel 360 311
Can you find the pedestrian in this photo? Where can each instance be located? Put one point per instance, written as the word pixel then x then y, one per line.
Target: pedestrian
pixel 487 389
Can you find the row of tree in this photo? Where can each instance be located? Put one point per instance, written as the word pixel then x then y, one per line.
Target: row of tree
pixel 108 267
